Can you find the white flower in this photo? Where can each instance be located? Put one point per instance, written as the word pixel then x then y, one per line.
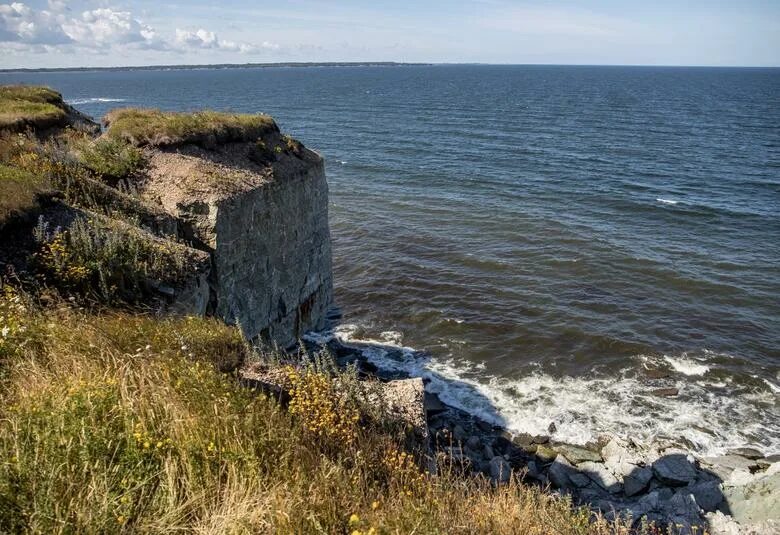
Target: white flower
pixel 4 331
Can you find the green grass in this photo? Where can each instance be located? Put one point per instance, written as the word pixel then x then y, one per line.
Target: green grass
pixel 29 106
pixel 122 423
pixel 154 127
pixel 20 192
pixel 111 158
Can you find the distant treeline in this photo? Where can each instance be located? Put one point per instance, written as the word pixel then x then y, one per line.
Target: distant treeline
pixel 220 66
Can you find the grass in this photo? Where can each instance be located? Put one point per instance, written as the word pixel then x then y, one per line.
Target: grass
pixel 20 192
pixel 123 423
pixel 111 158
pixel 29 106
pixel 158 128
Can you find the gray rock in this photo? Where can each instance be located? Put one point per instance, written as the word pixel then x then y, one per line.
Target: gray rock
pixel 579 479
pixel 755 502
pixel 720 524
pixel 487 452
pixel 674 469
pixel 683 513
pixel 474 443
pixel 433 404
pixel 599 474
pixel 484 426
pixel 558 472
pixel 637 480
pixel 500 471
pixel 748 453
pixel 708 495
pixel 533 469
pixel 577 454
pixel 545 454
pixel 724 465
pixel 458 433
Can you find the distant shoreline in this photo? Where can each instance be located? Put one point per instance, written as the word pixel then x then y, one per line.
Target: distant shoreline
pixel 219 66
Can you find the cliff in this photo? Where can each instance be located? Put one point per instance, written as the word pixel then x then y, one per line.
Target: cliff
pixel 229 186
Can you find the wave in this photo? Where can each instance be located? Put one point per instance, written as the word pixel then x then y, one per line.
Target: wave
pixel 667 201
pixel 92 100
pixel 583 408
pixel 686 366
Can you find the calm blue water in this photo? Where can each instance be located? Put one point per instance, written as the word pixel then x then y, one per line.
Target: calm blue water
pixel 546 234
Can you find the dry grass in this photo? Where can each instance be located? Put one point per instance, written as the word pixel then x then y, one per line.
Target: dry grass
pixel 20 192
pixel 158 128
pixel 122 423
pixel 30 106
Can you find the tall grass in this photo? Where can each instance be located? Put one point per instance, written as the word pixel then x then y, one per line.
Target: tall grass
pixel 123 423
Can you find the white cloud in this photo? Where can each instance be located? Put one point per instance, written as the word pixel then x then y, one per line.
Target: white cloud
pixel 99 30
pixel 20 24
pixel 105 27
pixel 205 39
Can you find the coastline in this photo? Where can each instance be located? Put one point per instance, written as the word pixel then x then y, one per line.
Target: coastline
pixel 616 475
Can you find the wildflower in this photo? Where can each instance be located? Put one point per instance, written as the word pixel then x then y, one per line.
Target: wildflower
pixel 371 531
pixel 146 445
pixel 354 519
pixel 374 505
pixel 120 519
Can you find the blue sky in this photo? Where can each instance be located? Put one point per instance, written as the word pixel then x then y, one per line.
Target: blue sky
pixel 60 33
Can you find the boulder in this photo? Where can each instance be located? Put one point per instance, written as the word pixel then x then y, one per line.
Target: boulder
pixel 599 474
pixel 748 453
pixel 683 513
pixel 708 495
pixel 675 470
pixel 559 471
pixel 500 471
pixel 545 454
pixel 757 501
pixel 637 480
pixel 487 452
pixel 577 454
pixel 724 465
pixel 474 443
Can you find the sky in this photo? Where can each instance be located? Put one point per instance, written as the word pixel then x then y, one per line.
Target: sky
pixel 107 33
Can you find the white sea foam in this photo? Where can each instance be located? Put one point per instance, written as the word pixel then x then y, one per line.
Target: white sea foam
pixel 666 201
pixel 585 407
pixel 686 366
pixel 772 386
pixel 78 101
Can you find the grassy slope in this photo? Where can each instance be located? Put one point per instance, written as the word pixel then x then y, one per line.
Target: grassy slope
pixel 119 423
pixel 22 106
pixel 19 192
pixel 154 127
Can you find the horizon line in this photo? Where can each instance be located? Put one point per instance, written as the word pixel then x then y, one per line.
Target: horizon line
pixel 302 64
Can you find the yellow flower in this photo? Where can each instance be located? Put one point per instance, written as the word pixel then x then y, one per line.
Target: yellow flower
pixel 371 531
pixel 374 505
pixel 146 445
pixel 354 519
pixel 120 519
pixel 357 532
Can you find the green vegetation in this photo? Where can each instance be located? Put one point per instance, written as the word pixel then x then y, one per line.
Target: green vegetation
pixel 109 261
pixel 20 192
pixel 112 158
pixel 154 127
pixel 30 106
pixel 122 423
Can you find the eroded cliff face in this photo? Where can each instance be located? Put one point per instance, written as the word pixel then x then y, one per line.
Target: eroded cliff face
pixel 262 214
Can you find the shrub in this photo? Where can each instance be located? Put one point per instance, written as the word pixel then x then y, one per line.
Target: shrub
pixel 113 158
pixel 107 261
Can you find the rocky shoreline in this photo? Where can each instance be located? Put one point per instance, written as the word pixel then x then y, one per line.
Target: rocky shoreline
pixel 660 482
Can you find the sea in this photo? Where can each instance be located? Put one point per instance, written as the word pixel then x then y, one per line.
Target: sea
pixel 596 248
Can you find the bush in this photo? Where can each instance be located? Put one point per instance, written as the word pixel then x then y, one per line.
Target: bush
pixel 20 192
pixel 112 158
pixel 107 261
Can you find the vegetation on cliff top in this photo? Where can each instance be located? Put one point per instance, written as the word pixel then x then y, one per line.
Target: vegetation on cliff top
pixel 122 423
pixel 22 106
pixel 159 128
